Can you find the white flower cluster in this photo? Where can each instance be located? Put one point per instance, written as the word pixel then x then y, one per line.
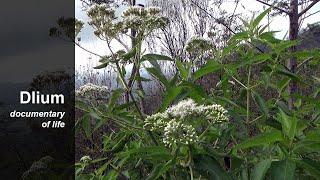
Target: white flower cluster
pixel 216 113
pixel 156 121
pixel 85 159
pixel 188 109
pixel 149 18
pixel 183 109
pixel 78 25
pixel 178 133
pixel 174 122
pixel 196 44
pixel 102 18
pixel 91 91
pixel 106 23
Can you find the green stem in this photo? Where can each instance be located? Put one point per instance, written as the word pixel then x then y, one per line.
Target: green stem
pixel 134 102
pixel 248 101
pixel 191 172
pixel 189 162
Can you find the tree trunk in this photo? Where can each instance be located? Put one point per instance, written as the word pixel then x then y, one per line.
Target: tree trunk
pixel 292 62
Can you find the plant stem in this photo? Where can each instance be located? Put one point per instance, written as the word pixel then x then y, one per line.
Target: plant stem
pixel 134 101
pixel 189 162
pixel 248 101
pixel 191 172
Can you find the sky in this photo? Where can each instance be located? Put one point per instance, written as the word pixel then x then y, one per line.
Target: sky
pixel 89 41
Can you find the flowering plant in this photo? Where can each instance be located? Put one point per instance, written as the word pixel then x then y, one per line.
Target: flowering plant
pixel 177 125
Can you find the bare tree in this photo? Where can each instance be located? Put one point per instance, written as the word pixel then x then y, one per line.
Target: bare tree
pixel 190 18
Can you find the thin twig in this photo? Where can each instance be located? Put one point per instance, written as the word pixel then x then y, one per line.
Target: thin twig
pixel 308 7
pixel 223 24
pixel 311 14
pixel 275 7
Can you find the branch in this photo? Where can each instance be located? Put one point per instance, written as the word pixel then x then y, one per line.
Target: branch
pixel 309 7
pixel 275 7
pixel 87 50
pixel 311 14
pixel 215 19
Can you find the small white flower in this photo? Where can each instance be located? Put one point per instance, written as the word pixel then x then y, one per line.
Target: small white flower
pixel 183 109
pixel 91 91
pixel 178 133
pixel 85 159
pixel 153 10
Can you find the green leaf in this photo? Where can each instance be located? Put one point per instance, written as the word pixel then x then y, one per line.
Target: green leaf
pixel 111 175
pixel 159 153
pixel 86 125
pixel 82 106
pixel 195 92
pixel 239 36
pixel 261 169
pixel 159 75
pixel 306 147
pixel 159 170
pixel 210 67
pixel 282 105
pixel 114 98
pixel 260 58
pixel 155 57
pixel 261 103
pixel 259 18
pixel 210 168
pixel 284 45
pixel 269 37
pixel 103 65
pixel 127 56
pixel 287 73
pixel 261 140
pixel 283 170
pixel 182 70
pixel 289 124
pixel 170 95
pixel 310 166
pixel 313 135
pixel 139 78
pixel 103 168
